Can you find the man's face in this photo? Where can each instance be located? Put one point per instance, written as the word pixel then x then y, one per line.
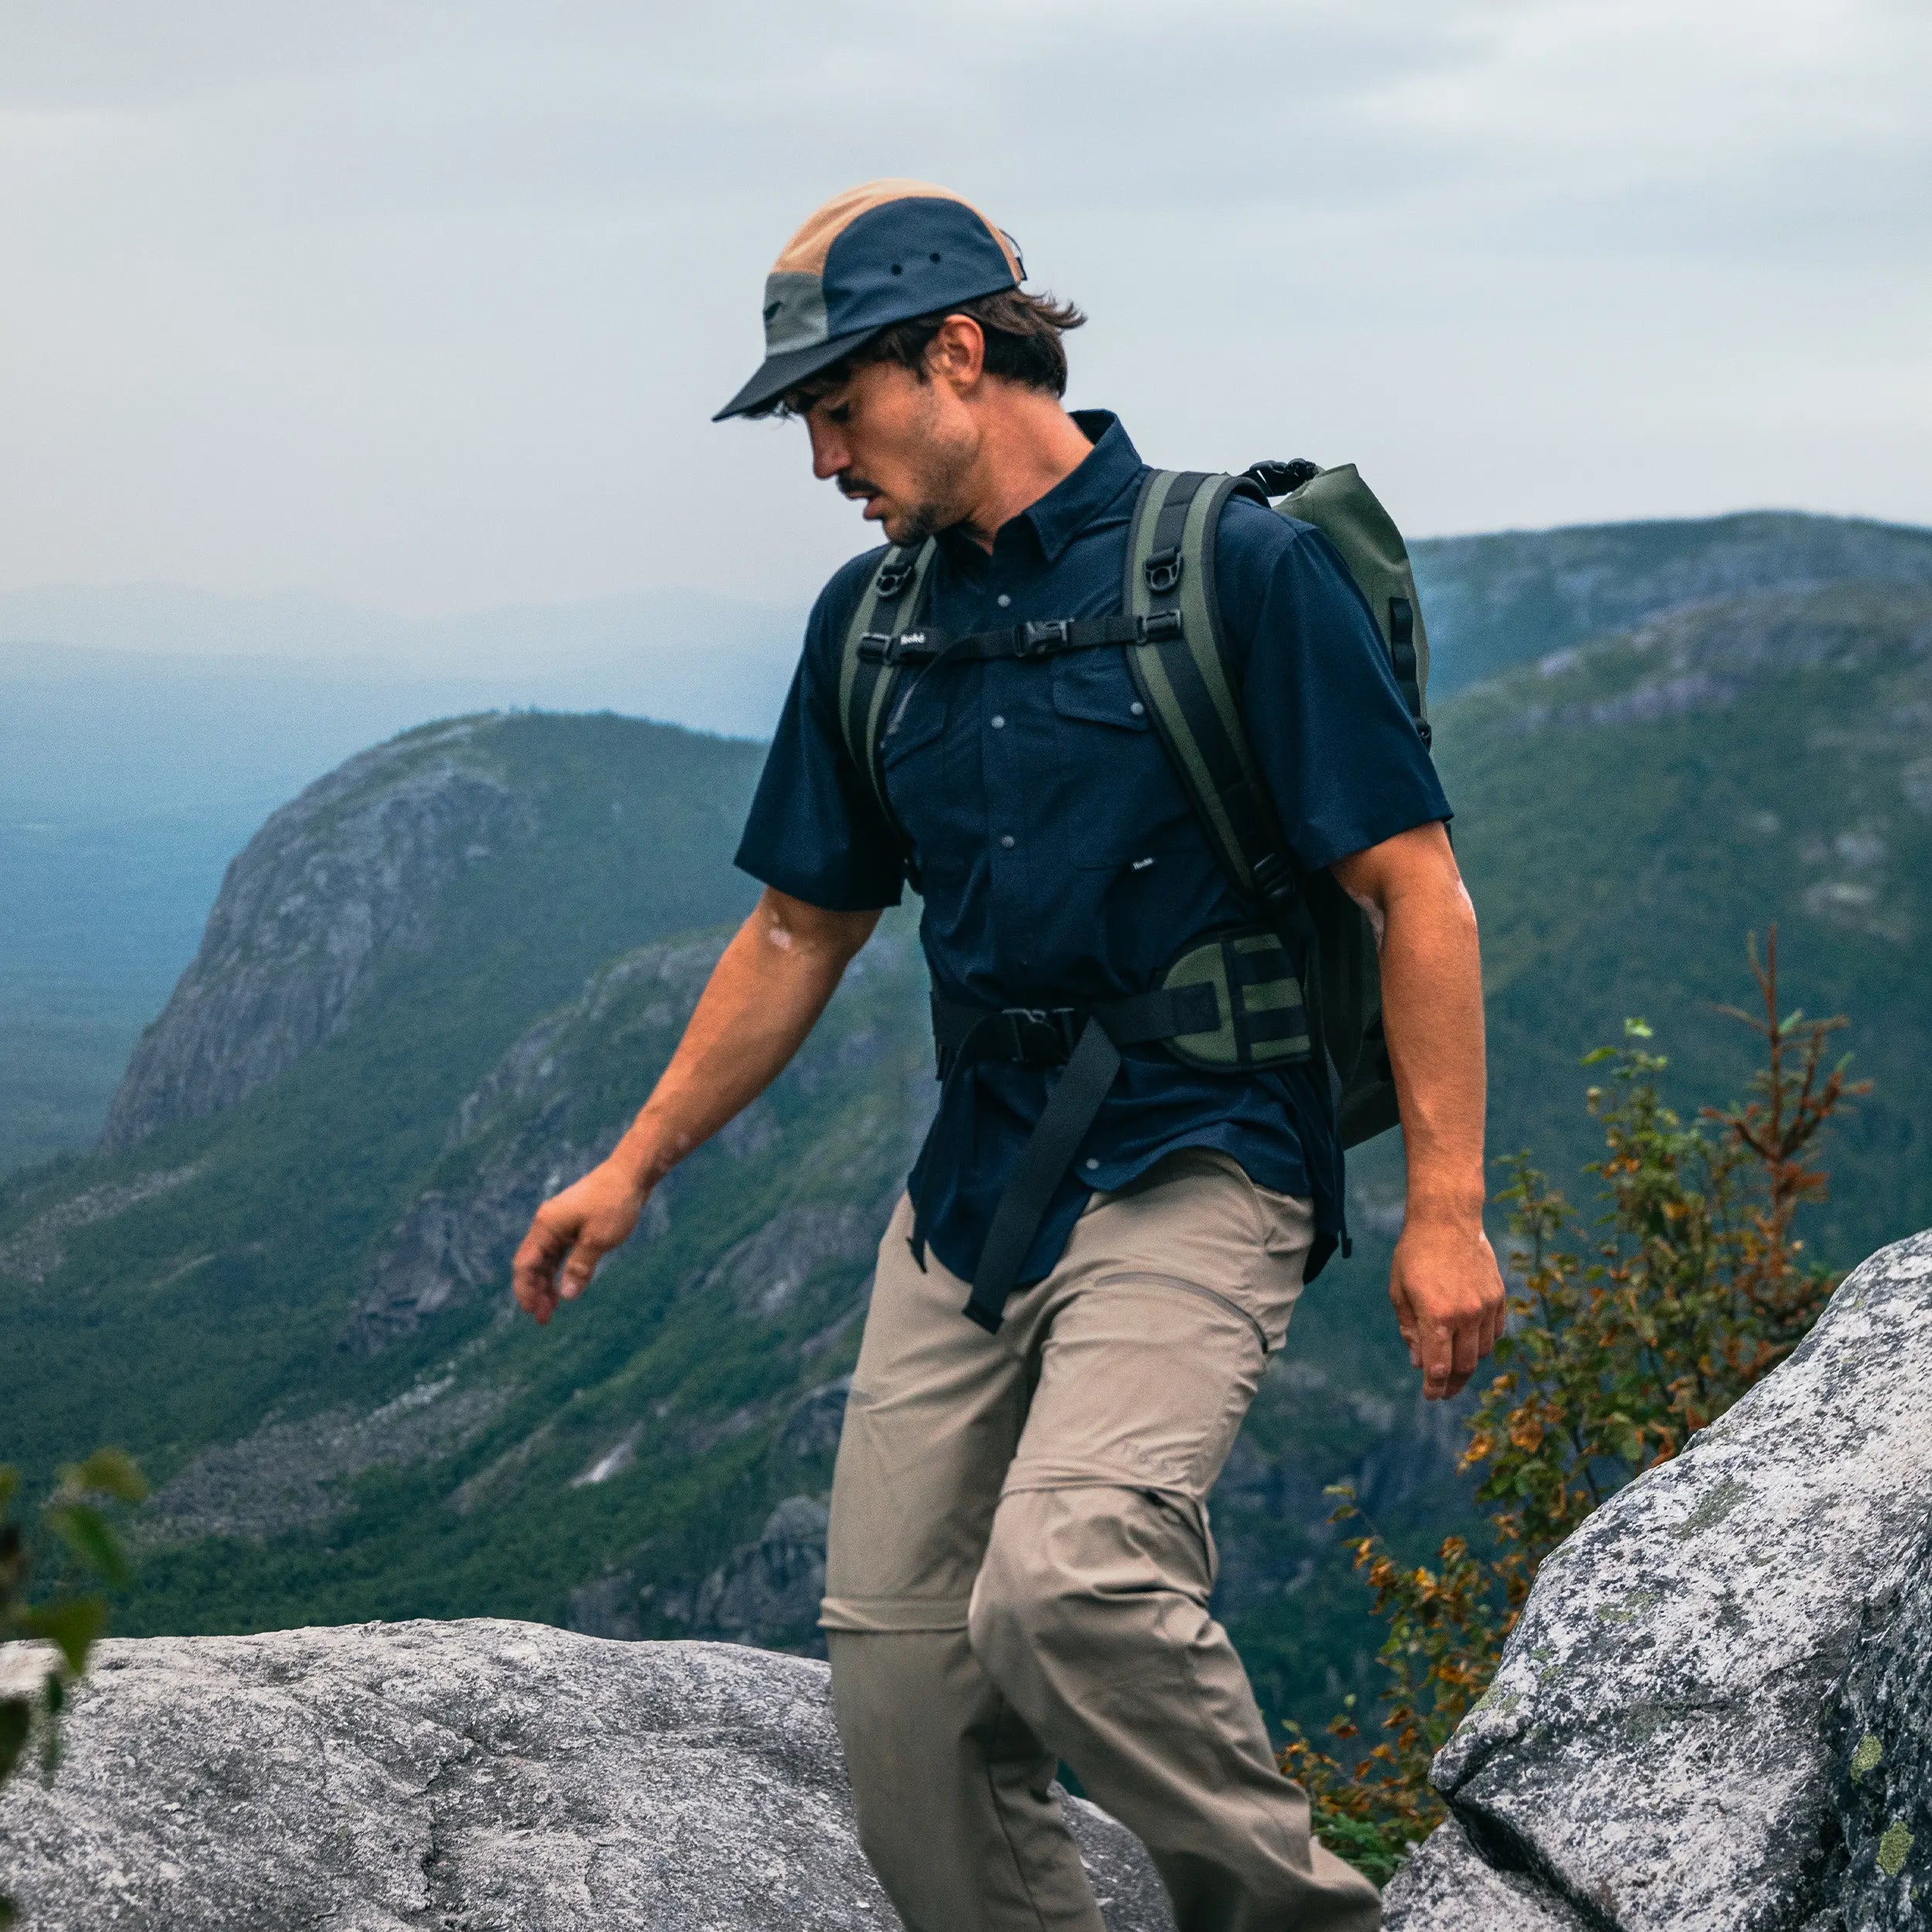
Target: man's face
pixel 902 446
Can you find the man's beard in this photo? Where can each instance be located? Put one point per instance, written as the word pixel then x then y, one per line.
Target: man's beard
pixel 936 506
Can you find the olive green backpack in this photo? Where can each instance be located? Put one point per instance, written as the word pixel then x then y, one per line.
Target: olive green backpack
pixel 1232 1001
pixel 1171 632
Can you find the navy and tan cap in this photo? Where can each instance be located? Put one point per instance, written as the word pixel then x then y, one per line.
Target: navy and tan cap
pixel 871 257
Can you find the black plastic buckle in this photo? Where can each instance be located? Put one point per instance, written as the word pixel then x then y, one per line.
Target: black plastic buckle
pixel 875 647
pixel 1043 636
pixel 1158 626
pixel 894 577
pixel 1163 571
pixel 1040 1036
pixel 1273 878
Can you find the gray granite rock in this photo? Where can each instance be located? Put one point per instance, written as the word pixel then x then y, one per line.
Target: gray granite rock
pixel 1448 1886
pixel 475 1777
pixel 1881 1785
pixel 1656 1749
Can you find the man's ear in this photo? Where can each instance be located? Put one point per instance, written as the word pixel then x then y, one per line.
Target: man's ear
pixel 956 355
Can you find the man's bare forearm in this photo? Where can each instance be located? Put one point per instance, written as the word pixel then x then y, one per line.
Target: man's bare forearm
pixel 764 996
pixel 1447 1294
pixel 1432 1015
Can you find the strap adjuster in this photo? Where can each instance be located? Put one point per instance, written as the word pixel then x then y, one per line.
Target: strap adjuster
pixel 1273 878
pixel 894 577
pixel 1158 626
pixel 1164 571
pixel 1039 1035
pixel 877 647
pixel 1046 634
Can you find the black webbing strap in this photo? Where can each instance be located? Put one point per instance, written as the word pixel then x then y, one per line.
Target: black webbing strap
pixel 928 645
pixel 1088 1040
pixel 1402 653
pixel 866 684
pixel 1071 1110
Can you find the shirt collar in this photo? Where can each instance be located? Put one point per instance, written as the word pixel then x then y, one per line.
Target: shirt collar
pixel 1108 469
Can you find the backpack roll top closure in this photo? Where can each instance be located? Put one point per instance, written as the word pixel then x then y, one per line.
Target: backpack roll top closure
pixel 1351 516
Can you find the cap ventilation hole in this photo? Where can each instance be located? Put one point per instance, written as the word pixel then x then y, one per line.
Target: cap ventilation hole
pixel 898 268
pixel 935 258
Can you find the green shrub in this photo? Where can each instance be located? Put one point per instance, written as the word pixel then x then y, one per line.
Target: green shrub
pixel 1694 1285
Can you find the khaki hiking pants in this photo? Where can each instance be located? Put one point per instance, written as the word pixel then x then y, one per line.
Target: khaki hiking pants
pixel 1019 1567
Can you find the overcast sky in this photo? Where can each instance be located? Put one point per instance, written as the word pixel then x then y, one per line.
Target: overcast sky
pixel 427 305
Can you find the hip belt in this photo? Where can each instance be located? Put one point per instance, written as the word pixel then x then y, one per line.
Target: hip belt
pixel 1229 1005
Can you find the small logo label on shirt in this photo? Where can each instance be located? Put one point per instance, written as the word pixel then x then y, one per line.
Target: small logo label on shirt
pixel 1141 865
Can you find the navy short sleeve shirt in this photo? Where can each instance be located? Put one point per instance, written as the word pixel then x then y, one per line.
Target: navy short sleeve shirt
pixel 1055 852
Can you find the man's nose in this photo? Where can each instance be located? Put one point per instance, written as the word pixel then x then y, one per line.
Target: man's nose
pixel 829 454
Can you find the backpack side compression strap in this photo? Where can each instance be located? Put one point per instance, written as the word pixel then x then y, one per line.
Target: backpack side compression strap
pixel 1189 694
pixel 866 681
pixel 1186 684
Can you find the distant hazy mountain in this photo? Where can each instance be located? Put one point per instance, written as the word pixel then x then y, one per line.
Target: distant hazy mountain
pixel 1495 602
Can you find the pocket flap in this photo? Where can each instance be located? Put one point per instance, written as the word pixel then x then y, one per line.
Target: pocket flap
pixel 1097 685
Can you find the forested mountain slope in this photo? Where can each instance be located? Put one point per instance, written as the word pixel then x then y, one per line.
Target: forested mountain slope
pixel 437 983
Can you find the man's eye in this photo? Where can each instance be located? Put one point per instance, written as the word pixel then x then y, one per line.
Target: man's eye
pixel 840 412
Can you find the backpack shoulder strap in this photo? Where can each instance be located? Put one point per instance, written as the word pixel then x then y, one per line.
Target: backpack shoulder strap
pixel 866 681
pixel 1189 683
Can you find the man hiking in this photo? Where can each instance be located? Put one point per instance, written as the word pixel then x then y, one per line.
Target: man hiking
pixel 1135 1164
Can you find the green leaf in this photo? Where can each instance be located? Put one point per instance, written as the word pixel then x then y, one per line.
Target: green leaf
pixel 85 1531
pixel 111 1472
pixel 1597 1056
pixel 9 1482
pixel 72 1626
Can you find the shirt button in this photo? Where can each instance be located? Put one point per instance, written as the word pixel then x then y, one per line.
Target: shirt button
pixel 1007 842
pixel 1138 708
pixel 999 723
pixel 1004 600
pixel 1092 1161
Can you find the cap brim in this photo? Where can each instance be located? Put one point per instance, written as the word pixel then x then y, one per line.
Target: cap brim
pixel 778 373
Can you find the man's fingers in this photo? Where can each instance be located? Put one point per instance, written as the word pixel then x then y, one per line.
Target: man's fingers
pixel 581 1267
pixel 533 1273
pixel 1438 1356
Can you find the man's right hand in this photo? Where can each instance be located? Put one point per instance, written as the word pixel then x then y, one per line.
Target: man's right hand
pixel 571 1232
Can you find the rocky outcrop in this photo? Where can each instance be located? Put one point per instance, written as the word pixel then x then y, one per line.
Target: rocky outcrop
pixel 1706 1656
pixel 463 1775
pixel 1881 1875
pixel 347 874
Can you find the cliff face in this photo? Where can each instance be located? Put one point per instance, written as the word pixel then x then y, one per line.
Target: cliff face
pixel 349 873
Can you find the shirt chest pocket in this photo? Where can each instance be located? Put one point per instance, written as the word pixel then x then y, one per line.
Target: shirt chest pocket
pixel 1115 792
pixel 919 763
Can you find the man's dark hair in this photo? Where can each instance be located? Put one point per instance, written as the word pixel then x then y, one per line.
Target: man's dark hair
pixel 1023 345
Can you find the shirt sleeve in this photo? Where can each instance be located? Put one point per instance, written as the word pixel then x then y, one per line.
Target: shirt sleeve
pixel 1341 756
pixel 815 831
